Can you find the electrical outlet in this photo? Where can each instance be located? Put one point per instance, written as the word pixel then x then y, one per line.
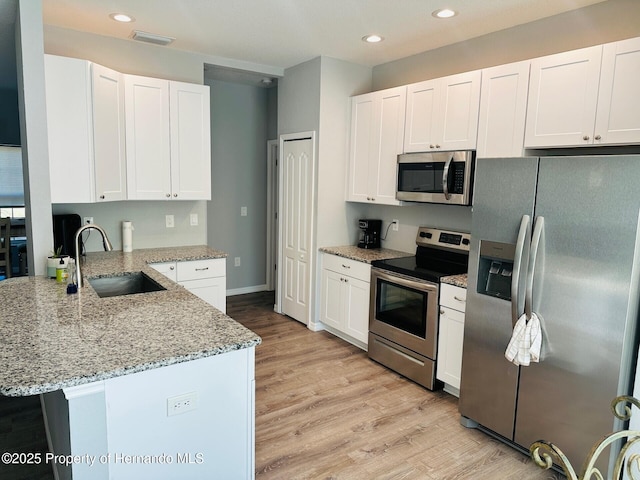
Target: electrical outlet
pixel 396 224
pixel 182 403
pixel 169 221
pixel 236 261
pixel 243 211
pixel 87 220
pixel 193 219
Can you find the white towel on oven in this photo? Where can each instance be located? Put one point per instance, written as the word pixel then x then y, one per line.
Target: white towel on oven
pixel 526 341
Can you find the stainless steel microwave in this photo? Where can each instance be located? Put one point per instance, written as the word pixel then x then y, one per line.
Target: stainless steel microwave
pixel 438 177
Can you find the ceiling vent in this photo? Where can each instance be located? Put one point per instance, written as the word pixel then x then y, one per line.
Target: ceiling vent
pixel 151 38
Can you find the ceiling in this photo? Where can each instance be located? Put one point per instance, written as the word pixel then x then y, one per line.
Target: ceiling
pixel 283 33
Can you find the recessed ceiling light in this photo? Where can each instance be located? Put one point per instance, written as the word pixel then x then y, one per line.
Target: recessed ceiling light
pixel 122 17
pixel 444 13
pixel 372 38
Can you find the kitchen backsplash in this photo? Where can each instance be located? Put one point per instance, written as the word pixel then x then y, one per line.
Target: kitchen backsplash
pixel 148 218
pixel 410 217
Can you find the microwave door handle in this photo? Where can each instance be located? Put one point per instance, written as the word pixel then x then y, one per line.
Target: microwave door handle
pixel 445 178
pixel 518 261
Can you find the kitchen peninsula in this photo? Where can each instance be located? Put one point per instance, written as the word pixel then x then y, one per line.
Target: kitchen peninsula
pixel 162 377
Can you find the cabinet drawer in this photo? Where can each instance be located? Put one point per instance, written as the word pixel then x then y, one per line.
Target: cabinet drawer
pixel 197 269
pixel 453 297
pixel 345 266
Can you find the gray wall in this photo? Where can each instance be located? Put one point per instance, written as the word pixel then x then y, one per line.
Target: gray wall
pixel 239 132
pixel 599 23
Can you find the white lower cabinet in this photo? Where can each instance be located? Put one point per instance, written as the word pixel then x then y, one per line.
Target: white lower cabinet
pixel 204 278
pixel 451 332
pixel 344 307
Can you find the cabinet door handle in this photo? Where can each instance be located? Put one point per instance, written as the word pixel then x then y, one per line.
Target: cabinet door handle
pixel 585 138
pixel 202 269
pixel 172 268
pixel 168 195
pixel 175 195
pixel 437 146
pixel 597 137
pixel 101 197
pixel 345 266
pixel 441 312
pixel 463 300
pixel 432 146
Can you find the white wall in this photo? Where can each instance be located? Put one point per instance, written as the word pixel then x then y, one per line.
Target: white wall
pixel 33 133
pixel 336 221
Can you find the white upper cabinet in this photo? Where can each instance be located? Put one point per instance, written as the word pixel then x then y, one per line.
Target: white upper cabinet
pixel 85 122
pixel 148 142
pixel 442 114
pixel 168 139
pixel 563 92
pixel 189 109
pixel 618 114
pixel 109 134
pixel 503 109
pixel 377 129
pixel 585 97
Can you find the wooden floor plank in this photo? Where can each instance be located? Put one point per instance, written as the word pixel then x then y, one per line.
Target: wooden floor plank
pixel 325 411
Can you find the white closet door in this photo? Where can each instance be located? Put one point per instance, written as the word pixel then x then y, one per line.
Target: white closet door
pixel 297 201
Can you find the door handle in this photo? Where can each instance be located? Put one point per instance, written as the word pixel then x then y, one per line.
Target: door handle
pixel 445 178
pixel 535 245
pixel 523 237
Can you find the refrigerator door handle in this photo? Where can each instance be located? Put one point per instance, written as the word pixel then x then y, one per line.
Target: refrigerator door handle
pixel 523 236
pixel 535 245
pixel 445 178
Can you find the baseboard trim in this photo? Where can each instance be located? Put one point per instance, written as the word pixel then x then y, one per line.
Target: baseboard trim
pixel 243 290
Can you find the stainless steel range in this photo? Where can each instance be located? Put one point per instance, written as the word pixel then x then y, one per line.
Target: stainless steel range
pixel 403 318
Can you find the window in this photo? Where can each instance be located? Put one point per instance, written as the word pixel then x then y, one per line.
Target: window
pixel 11 183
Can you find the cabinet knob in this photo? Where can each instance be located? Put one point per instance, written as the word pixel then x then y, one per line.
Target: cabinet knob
pixel 597 137
pixel 432 146
pixel 437 146
pixel 175 195
pixel 172 268
pixel 373 199
pixel 101 197
pixel 168 195
pixel 586 137
pixel 441 312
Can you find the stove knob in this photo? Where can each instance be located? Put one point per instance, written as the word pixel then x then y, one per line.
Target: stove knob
pixel 465 241
pixel 426 234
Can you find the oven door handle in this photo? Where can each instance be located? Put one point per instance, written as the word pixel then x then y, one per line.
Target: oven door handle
pixel 445 178
pixel 524 234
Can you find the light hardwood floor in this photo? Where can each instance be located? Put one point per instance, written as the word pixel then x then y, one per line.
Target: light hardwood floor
pixel 325 411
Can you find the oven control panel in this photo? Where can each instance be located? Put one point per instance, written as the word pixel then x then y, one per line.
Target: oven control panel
pixel 428 236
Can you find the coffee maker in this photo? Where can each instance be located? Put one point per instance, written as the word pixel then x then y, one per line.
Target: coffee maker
pixel 370 235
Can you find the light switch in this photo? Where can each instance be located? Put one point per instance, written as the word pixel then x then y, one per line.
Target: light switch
pixel 169 221
pixel 243 211
pixel 193 219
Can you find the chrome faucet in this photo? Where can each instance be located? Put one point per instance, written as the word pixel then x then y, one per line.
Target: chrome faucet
pixel 105 242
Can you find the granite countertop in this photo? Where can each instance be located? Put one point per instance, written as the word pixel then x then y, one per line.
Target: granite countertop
pixel 457 280
pixel 365 255
pixel 51 340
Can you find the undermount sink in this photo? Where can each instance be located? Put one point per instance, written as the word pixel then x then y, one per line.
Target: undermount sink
pixel 125 284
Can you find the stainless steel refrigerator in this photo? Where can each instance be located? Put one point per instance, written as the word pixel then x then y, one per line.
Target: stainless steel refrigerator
pixel 559 236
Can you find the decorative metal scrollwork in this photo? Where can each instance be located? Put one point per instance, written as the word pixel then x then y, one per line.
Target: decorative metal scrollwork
pixel 544 453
